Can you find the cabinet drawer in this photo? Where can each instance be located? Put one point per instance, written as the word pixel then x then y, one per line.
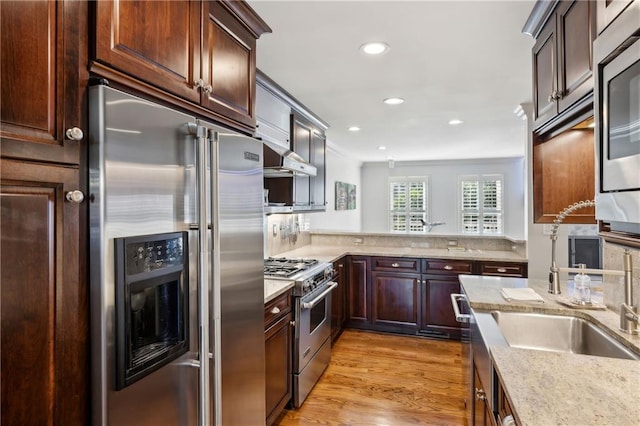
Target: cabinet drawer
pixel 443 266
pixel 277 308
pixel 398 264
pixel 503 269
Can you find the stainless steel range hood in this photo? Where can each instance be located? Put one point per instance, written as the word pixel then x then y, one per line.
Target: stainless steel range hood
pixel 280 161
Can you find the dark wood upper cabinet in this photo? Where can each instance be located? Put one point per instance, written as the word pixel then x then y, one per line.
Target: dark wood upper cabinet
pixel 608 10
pixel 576 32
pixel 201 52
pixel 43 72
pixel 562 60
pixel 155 41
pixel 228 65
pixel 545 82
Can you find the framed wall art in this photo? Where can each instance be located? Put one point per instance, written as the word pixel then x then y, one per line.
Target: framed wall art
pixel 345 196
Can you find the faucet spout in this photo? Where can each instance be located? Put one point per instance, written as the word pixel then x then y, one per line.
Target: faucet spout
pixel 554 271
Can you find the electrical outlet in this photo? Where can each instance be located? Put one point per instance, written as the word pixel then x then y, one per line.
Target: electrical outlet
pixel 452 243
pixel 275 230
pixel 358 241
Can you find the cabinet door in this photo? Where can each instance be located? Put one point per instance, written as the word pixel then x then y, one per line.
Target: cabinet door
pixel 545 86
pixel 317 183
pixel 277 367
pixel 359 313
pixel 576 32
pixel 302 133
pixel 43 297
pixel 481 412
pixel 608 10
pixel 395 301
pixel 337 300
pixel 437 314
pixel 228 65
pixel 41 70
pixel 155 41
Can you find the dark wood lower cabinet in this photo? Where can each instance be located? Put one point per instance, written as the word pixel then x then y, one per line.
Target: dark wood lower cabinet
pixel 43 311
pixel 278 356
pixel 437 316
pixel 396 300
pixel 481 413
pixel 359 292
pixel 338 300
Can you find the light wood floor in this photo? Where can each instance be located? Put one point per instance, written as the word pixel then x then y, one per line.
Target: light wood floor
pixel 383 379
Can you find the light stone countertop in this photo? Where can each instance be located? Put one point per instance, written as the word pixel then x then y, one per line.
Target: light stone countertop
pixel 274 288
pixel 548 388
pixel 332 253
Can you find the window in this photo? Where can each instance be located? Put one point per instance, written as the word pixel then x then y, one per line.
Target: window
pixel 407 204
pixel 481 204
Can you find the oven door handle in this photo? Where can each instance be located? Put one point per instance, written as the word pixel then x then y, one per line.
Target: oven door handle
pixel 463 318
pixel 314 302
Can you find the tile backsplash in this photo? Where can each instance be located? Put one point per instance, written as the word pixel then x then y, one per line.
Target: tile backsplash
pixel 284 232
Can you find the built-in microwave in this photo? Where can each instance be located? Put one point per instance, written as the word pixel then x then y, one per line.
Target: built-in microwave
pixel 617 118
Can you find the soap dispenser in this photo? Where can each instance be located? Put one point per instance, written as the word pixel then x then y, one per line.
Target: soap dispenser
pixel 582 287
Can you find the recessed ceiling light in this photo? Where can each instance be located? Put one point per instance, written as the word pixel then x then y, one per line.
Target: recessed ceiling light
pixel 354 129
pixel 382 148
pixel 374 48
pixel 393 101
pixel 455 122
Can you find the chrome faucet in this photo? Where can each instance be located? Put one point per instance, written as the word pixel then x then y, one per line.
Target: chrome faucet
pixel 430 225
pixel 628 311
pixel 554 271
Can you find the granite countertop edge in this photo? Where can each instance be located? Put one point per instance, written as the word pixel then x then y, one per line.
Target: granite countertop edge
pixel 274 288
pixel 333 253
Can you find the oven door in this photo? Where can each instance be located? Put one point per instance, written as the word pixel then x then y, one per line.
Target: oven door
pixel 313 324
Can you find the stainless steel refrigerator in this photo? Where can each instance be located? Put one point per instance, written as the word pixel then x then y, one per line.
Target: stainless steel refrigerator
pixel 176 264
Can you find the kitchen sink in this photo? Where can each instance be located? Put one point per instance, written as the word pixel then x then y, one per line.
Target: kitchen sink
pixel 558 334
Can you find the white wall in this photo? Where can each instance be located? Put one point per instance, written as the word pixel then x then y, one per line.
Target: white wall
pixel 443 176
pixel 342 168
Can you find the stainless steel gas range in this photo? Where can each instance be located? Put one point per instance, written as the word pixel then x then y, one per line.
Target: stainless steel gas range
pixel 312 314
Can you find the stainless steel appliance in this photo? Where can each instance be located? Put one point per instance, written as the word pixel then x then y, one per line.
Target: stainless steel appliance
pixel 176 256
pixel 312 314
pixel 617 114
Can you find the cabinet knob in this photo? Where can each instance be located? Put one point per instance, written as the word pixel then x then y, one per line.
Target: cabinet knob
pixel 394 265
pixel 448 267
pixel 75 196
pixel 199 83
pixel 275 310
pixel 74 134
pixel 292 323
pixel 208 89
pixel 481 395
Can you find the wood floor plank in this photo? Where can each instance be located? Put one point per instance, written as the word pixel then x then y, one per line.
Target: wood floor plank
pixel 383 379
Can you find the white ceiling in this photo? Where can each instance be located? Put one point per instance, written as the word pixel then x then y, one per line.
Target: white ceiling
pixel 448 59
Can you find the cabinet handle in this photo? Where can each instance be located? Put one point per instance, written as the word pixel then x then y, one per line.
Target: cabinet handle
pixel 395 265
pixel 481 395
pixel 502 270
pixel 74 134
pixel 75 197
pixel 340 265
pixel 275 310
pixel 448 267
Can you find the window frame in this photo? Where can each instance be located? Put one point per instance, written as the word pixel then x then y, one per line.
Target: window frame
pixel 482 212
pixel 408 211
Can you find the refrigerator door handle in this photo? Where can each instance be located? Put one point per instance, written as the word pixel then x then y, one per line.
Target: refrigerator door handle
pixel 203 275
pixel 215 297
